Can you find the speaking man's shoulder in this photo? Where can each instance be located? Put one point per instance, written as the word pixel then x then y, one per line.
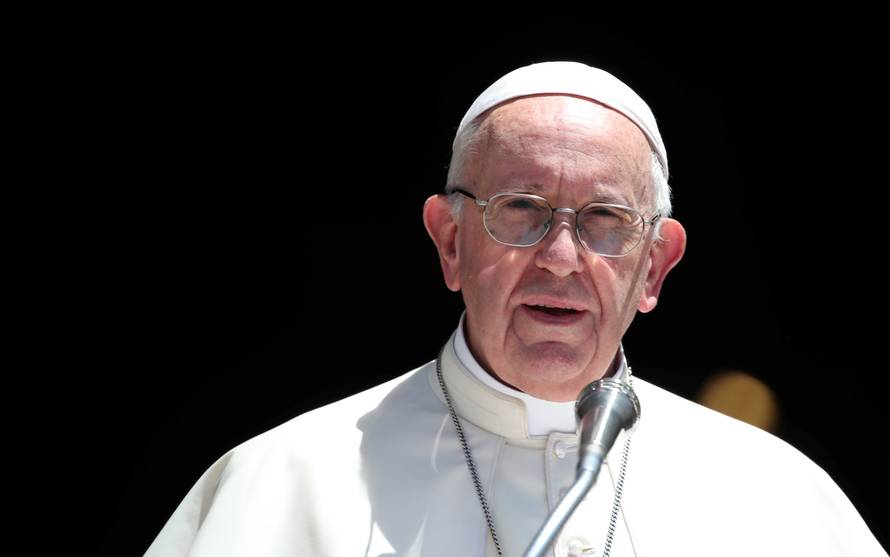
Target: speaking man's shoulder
pixel 274 493
pixel 738 481
pixel 722 457
pixel 676 424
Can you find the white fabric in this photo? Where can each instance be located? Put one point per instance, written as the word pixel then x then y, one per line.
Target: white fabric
pixel 570 78
pixel 544 416
pixel 381 473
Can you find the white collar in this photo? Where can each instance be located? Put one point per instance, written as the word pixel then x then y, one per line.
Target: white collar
pixel 543 416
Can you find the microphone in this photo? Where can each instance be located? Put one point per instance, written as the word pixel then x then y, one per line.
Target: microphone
pixel 603 408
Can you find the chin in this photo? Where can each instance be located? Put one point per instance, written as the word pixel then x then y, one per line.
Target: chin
pixel 552 362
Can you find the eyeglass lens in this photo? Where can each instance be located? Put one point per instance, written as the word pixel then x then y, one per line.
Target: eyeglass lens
pixel 522 221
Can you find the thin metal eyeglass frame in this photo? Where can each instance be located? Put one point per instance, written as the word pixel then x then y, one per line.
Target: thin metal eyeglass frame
pixel 484 204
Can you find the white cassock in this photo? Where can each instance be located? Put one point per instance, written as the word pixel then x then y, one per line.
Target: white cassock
pixel 383 473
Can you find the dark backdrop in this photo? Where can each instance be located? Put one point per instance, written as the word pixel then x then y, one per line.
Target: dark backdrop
pixel 261 251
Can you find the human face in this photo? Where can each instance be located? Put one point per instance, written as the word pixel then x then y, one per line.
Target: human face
pixel 571 151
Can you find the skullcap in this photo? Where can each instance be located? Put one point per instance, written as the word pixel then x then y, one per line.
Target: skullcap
pixel 570 78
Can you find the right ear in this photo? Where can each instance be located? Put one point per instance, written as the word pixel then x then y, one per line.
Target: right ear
pixel 442 228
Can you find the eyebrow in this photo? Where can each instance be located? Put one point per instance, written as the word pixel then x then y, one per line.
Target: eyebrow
pixel 598 197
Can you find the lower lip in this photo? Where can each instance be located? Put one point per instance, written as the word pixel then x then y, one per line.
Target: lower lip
pixel 554 319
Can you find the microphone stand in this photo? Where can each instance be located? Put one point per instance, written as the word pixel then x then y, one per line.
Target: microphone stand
pixel 604 408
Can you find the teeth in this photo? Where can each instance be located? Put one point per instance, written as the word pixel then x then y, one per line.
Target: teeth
pixel 555 307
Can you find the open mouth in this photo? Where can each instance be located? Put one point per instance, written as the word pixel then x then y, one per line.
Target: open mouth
pixel 552 310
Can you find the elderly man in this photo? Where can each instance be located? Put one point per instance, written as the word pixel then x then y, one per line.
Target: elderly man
pixel 555 227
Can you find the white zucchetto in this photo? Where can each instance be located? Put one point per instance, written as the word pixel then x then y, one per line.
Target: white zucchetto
pixel 570 78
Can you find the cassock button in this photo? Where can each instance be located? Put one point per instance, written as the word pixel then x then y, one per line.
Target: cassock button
pixel 579 547
pixel 559 449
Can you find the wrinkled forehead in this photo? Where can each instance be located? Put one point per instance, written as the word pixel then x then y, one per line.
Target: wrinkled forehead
pixel 539 141
pixel 569 78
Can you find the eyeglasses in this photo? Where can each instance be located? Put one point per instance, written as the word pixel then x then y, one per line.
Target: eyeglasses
pixel 523 219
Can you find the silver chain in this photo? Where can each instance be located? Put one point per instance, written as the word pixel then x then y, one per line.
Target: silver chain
pixel 616 503
pixel 468 456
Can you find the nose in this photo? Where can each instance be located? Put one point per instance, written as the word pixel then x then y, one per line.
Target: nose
pixel 560 251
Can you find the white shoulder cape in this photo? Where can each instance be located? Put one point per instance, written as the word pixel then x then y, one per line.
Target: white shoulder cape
pixel 382 473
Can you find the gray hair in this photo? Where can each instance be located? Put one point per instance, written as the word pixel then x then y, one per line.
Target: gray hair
pixel 467 144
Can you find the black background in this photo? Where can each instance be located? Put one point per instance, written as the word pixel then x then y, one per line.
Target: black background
pixel 248 242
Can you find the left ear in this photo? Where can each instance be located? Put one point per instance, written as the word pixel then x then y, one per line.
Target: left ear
pixel 664 254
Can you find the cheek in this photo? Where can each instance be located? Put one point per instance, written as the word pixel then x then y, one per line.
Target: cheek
pixel 489 281
pixel 610 286
pixel 623 292
pixel 489 278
